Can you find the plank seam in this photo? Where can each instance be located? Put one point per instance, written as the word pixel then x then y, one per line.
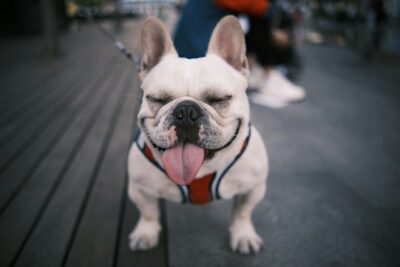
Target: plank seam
pixel 103 150
pixel 65 168
pixel 43 126
pixel 45 152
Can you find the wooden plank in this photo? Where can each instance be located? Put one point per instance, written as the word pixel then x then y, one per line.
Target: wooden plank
pixel 23 72
pixel 30 73
pixel 18 221
pixel 25 93
pixel 21 91
pixel 31 69
pixel 48 242
pixel 28 93
pixel 13 148
pixel 28 137
pixel 32 227
pixel 50 101
pixel 11 76
pixel 27 163
pixel 97 231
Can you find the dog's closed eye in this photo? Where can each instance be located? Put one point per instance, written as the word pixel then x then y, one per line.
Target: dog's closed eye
pixel 159 100
pixel 218 100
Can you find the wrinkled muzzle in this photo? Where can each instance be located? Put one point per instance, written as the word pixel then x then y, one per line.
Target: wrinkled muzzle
pixel 183 160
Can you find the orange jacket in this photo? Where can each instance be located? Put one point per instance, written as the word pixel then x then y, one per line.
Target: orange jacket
pixel 250 7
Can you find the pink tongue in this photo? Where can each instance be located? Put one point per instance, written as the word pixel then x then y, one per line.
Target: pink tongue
pixel 182 162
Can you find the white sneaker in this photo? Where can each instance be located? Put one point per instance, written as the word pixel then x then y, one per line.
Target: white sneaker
pixel 277 91
pixel 267 101
pixel 256 78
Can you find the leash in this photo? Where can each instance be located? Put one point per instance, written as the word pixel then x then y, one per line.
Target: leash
pixel 135 60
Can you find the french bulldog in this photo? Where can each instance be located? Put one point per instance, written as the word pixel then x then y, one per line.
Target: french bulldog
pixel 196 143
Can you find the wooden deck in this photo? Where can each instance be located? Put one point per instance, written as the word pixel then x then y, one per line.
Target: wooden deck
pixel 65 132
pixel 66 127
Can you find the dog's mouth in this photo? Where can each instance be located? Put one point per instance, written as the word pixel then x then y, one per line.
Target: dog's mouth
pixel 183 160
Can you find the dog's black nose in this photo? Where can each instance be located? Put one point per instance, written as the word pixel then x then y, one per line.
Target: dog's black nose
pixel 187 113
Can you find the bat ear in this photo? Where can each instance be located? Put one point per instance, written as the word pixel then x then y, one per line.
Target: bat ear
pixel 156 43
pixel 227 41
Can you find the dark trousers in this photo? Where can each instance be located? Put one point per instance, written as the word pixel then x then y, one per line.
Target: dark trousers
pixel 260 43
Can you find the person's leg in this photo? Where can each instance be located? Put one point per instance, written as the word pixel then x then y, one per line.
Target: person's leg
pixel 275 90
pixel 259 50
pixel 259 40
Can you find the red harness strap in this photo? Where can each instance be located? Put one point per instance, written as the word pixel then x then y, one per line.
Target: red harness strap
pixel 201 190
pixel 148 153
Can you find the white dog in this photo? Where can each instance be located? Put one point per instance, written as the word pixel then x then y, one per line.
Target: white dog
pixel 196 142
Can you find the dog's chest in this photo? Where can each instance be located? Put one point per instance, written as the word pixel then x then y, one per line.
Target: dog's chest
pixel 203 189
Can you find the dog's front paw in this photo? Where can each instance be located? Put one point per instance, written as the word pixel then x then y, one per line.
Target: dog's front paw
pixel 244 239
pixel 145 235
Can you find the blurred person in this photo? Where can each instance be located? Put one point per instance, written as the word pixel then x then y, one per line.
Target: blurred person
pixel 266 48
pixel 351 11
pixel 271 44
pixel 375 20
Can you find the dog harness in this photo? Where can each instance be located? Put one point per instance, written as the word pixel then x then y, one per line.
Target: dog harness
pixel 201 190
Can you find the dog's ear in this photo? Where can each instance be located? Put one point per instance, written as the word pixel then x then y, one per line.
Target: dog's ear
pixel 156 43
pixel 227 41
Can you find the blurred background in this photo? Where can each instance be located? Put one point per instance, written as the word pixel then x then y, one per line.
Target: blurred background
pixel 325 95
pixel 343 22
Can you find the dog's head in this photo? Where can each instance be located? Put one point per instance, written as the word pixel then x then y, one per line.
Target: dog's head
pixel 193 109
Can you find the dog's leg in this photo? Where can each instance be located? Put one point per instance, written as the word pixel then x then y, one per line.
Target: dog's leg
pixel 145 234
pixel 243 237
